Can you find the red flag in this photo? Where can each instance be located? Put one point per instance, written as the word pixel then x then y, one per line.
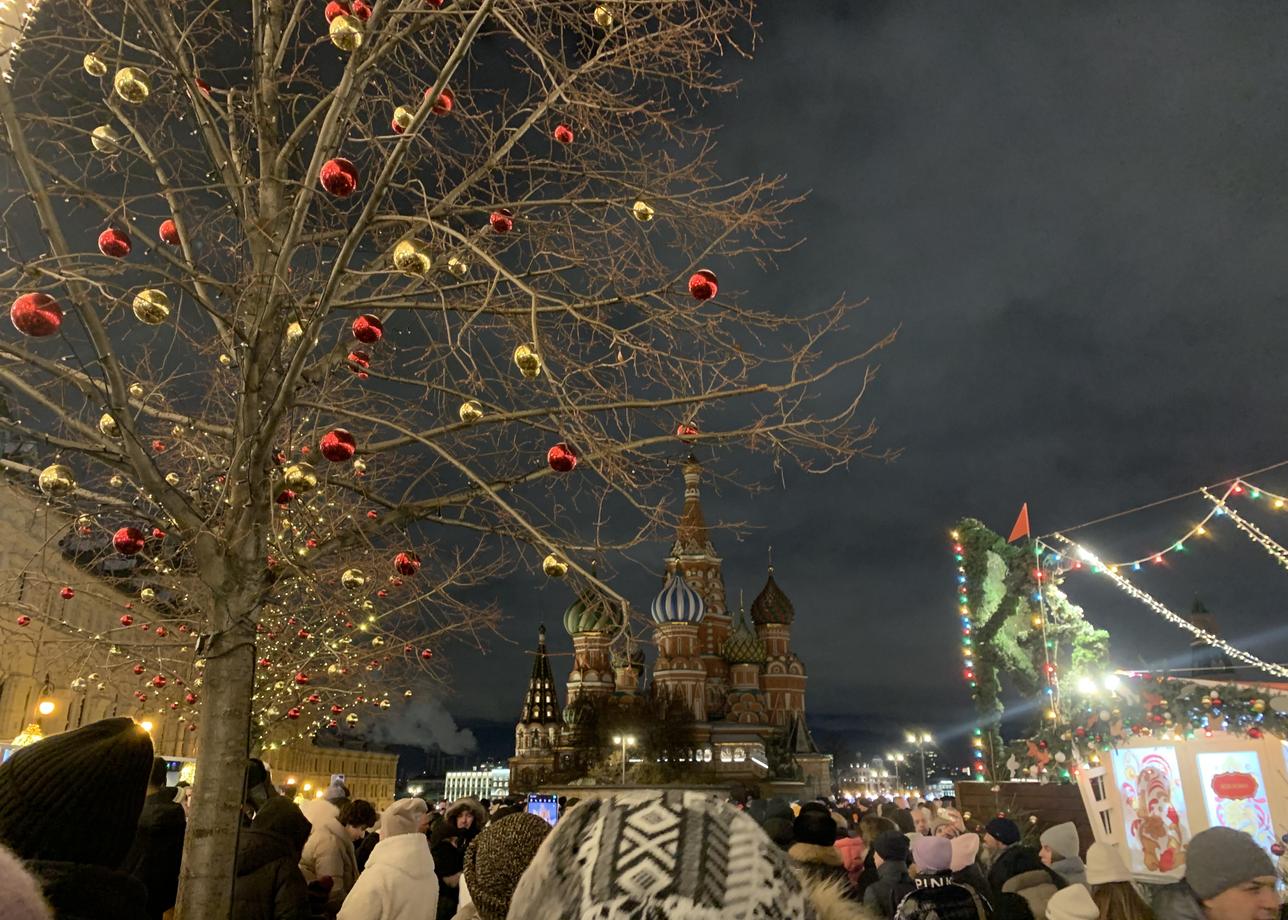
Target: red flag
pixel 1021 528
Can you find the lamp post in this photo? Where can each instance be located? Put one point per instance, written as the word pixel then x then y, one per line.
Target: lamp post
pixel 921 739
pixel 626 741
pixel 896 759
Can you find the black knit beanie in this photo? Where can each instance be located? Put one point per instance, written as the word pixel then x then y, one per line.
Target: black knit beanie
pixel 76 797
pixel 498 857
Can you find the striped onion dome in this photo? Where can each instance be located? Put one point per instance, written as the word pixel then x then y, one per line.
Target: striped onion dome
pixel 772 605
pixel 591 612
pixel 742 646
pixel 678 603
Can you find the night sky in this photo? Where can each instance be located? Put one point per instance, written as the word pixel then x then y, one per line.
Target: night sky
pixel 1076 215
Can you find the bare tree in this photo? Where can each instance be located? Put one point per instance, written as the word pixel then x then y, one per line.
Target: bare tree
pixel 469 245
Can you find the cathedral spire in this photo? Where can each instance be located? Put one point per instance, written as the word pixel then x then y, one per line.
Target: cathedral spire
pixel 691 536
pixel 541 705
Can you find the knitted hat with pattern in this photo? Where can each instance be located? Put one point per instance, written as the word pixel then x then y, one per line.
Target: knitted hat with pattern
pixel 496 859
pixel 659 856
pixel 76 797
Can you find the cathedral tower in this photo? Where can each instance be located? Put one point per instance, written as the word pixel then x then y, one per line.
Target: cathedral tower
pixel 537 732
pixel 679 673
pixel 783 678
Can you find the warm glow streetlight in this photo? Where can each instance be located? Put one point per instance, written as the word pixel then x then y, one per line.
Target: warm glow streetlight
pixel 625 741
pixel 308 787
pixel 46 707
pixel 146 725
pixel 921 739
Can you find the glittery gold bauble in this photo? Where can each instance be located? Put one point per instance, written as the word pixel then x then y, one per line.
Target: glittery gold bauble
pixel 225 360
pixel 376 642
pixel 410 259
pixel 300 477
pixel 384 704
pixel 527 361
pixel 458 266
pixel 116 481
pixel 136 390
pixel 407 694
pixel 151 306
pixel 642 211
pixel 403 117
pixel 346 33
pixel 359 465
pixel 94 65
pixel 294 332
pixel 131 84
pixel 56 479
pixel 353 578
pixel 147 594
pixel 105 139
pixel 553 566
pixel 107 425
pixel 604 17
pixel 471 411
pixel 172 478
pixel 351 718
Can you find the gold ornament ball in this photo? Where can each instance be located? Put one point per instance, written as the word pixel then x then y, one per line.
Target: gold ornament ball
pixel 94 65
pixel 553 566
pixel 116 481
pixel 147 594
pixel 407 694
pixel 225 360
pixel 107 425
pixel 131 84
pixel 604 17
pixel 458 266
pixel 471 411
pixel 376 642
pixel 105 139
pixel 403 117
pixel 527 361
pixel 294 332
pixel 56 479
pixel 151 307
pixel 410 259
pixel 136 390
pixel 172 478
pixel 177 431
pixel 300 477
pixel 642 211
pixel 353 578
pixel 384 704
pixel 346 33
pixel 359 465
pixel 351 718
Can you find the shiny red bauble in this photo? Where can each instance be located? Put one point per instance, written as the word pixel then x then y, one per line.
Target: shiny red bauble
pixel 293 713
pixel 426 654
pixel 686 433
pixel 338 445
pixel 67 593
pixel 128 541
pixel 337 709
pixel 502 220
pixel 563 134
pixel 702 284
pixel 444 104
pixel 159 682
pixel 23 620
pixel 137 669
pixel 301 677
pixel 114 243
pixel 190 698
pixel 36 315
pixel 368 329
pixel 407 563
pixel 339 177
pixel 127 620
pixel 169 233
pixel 562 458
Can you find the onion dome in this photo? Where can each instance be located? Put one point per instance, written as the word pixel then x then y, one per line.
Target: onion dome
pixel 633 660
pixel 678 603
pixel 579 712
pixel 742 646
pixel 591 612
pixel 772 605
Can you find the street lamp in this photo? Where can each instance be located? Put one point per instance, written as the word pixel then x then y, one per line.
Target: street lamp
pixel 921 739
pixel 896 759
pixel 626 741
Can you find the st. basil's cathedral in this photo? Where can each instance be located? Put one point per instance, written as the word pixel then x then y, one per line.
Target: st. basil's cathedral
pixel 741 683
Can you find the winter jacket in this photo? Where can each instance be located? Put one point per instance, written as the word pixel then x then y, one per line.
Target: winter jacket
pixel 329 852
pixel 938 897
pixel 972 876
pixel 831 901
pixel 853 851
pixel 1177 902
pixel 77 891
pixel 398 884
pixel 893 884
pixel 1011 862
pixel 362 848
pixel 820 863
pixel 269 883
pixel 1071 870
pixel 1036 887
pixel 157 850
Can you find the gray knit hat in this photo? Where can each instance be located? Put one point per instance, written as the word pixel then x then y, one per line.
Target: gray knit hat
pixel 661 856
pixel 497 858
pixel 1220 858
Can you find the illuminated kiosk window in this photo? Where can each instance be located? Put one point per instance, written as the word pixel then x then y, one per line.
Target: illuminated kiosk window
pixel 739 755
pixel 1156 822
pixel 706 755
pixel 1234 793
pixel 725 756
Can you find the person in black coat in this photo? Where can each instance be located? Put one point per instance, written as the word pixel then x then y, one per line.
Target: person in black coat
pixel 158 843
pixel 813 854
pixel 269 884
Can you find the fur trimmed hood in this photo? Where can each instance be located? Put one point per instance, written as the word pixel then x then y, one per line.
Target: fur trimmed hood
pixel 831 901
pixel 815 855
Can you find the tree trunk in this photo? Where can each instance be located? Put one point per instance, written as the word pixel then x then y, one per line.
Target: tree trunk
pixel 210 847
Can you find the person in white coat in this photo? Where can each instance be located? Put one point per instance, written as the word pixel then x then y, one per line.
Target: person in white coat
pixel 329 852
pixel 399 882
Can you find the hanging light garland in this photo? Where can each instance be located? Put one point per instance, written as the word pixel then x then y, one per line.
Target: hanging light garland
pixel 967 646
pixel 1251 530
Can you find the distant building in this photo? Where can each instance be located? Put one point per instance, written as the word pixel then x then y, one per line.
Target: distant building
pixel 739 686
pixel 479 783
pixel 1206 660
pixel 369 775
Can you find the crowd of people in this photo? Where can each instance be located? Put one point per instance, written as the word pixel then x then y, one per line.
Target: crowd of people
pixel 91 831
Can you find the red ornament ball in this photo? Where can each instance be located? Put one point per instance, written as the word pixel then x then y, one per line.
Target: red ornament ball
pixel 368 329
pixel 137 669
pixel 339 177
pixel 563 134
pixel 23 620
pixel 159 681
pixel 158 533
pixel 502 220
pixel 284 497
pixel 190 698
pixel 67 593
pixel 313 698
pixel 202 87
pixel 337 708
pixel 562 458
pixel 294 712
pixel 444 104
pixel 301 678
pixel 687 433
pixel 169 233
pixel 426 654
pixel 302 634
pixel 114 243
pixel 128 541
pixel 371 515
pixel 336 8
pixel 338 445
pixel 407 563
pixel 127 620
pixel 161 631
pixel 36 315
pixel 702 284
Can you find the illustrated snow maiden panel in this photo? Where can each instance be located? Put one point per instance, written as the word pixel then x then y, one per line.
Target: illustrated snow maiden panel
pixel 1155 821
pixel 1235 794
